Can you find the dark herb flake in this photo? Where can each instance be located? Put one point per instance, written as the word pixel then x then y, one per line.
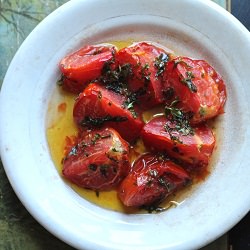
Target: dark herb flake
pixel 160 63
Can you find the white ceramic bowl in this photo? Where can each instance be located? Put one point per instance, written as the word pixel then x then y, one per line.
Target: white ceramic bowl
pixel 199 29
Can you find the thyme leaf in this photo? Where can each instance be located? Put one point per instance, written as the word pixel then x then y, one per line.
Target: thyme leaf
pixel 188 81
pixel 179 121
pixel 99 121
pixel 160 63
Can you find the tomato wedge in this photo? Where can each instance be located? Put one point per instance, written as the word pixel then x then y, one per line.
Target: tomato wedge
pixel 96 106
pixel 84 65
pixel 99 160
pixel 198 86
pixel 194 149
pixel 151 180
pixel 148 63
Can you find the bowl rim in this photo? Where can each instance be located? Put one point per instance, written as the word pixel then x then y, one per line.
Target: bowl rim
pixel 8 158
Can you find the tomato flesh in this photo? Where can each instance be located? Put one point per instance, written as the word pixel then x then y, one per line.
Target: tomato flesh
pixel 84 65
pixel 198 86
pixel 145 81
pixel 151 180
pixel 193 149
pixel 98 160
pixel 96 104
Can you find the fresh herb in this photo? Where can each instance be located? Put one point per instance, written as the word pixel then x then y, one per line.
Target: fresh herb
pixel 160 63
pixel 131 100
pixel 99 121
pixel 202 112
pixel 116 79
pixel 145 73
pixel 179 121
pixel 166 184
pixel 154 208
pixel 168 93
pixel 103 169
pixel 92 167
pixel 153 172
pixel 180 61
pixel 188 81
pixel 73 151
pixel 60 81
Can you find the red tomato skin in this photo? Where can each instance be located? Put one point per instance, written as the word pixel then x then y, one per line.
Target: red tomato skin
pixel 84 65
pixel 194 149
pixel 99 160
pixel 98 102
pixel 209 98
pixel 141 57
pixel 151 180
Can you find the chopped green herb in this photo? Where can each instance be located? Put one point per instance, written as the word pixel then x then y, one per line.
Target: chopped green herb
pixel 160 63
pixel 188 81
pixel 179 121
pixel 145 74
pixel 99 121
pixel 168 185
pixel 202 111
pixel 92 167
pixel 103 169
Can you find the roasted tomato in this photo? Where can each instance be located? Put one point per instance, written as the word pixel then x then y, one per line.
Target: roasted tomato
pixel 151 180
pixel 96 106
pixel 193 147
pixel 148 63
pixel 98 160
pixel 84 66
pixel 198 86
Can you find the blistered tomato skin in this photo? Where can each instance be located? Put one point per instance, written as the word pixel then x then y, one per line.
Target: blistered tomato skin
pixel 195 149
pixel 198 86
pixel 96 106
pixel 98 160
pixel 84 65
pixel 151 180
pixel 147 62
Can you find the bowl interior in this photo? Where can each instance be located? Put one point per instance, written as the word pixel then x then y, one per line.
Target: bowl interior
pixel 211 209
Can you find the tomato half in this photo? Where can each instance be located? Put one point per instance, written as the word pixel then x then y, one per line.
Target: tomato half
pixel 84 65
pixel 194 149
pixel 148 63
pixel 98 160
pixel 198 86
pixel 151 180
pixel 96 106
